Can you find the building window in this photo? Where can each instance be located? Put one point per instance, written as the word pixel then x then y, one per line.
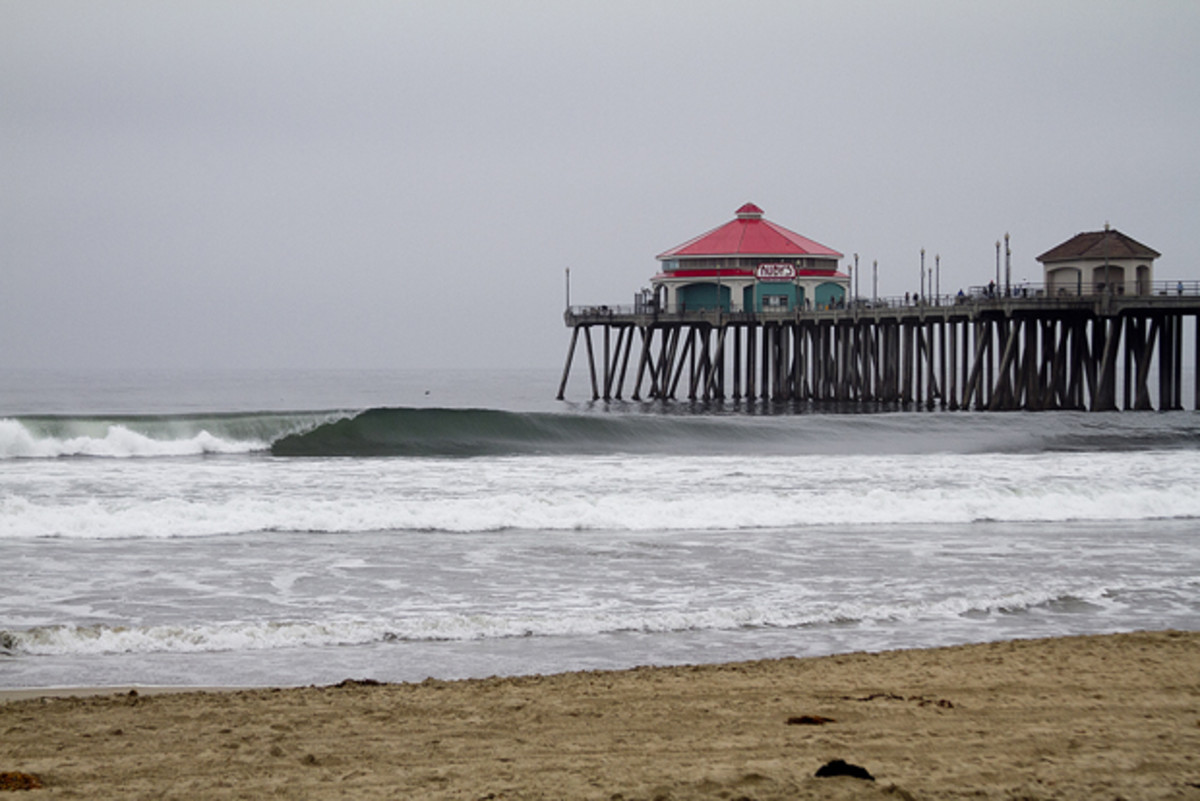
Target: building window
pixel 774 302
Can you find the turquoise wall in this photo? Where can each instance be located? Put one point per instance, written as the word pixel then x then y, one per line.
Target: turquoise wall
pixel 698 297
pixel 790 291
pixel 829 293
pixel 695 297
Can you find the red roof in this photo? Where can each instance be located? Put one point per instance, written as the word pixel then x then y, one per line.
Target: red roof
pixel 750 235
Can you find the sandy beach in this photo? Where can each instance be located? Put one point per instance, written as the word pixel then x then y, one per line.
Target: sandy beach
pixel 1098 717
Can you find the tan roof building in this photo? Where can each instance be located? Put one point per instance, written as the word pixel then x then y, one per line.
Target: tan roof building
pixel 1095 262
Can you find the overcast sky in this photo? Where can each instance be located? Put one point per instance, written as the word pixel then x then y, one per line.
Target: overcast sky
pixel 403 184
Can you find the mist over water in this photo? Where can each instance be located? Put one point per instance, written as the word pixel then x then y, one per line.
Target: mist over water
pixel 232 540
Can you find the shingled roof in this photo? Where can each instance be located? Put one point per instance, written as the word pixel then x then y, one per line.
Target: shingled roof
pixel 1107 244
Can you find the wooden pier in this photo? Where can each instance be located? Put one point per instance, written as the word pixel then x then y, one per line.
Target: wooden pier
pixel 1100 353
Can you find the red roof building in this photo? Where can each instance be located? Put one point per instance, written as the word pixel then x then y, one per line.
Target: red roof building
pixel 750 264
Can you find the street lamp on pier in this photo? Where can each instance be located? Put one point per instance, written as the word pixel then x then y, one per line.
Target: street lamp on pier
pixel 997 284
pixel 922 295
pixel 1007 267
pixel 855 279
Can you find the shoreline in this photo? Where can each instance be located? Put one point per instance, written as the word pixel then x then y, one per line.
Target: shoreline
pixel 10 694
pixel 82 691
pixel 1114 715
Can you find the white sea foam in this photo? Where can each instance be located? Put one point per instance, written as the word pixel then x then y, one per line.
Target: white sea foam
pixel 138 499
pixel 448 626
pixel 17 441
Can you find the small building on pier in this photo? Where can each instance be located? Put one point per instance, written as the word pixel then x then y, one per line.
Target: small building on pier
pixel 1099 262
pixel 749 264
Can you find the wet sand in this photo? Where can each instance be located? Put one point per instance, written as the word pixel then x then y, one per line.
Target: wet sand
pixel 1101 717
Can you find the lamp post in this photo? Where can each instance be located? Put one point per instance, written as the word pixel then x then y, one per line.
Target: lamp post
pixel 1007 268
pixel 855 279
pixel 997 265
pixel 937 272
pixel 922 295
pixel 568 289
pixel 875 282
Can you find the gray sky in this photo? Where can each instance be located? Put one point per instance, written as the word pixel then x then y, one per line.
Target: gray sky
pixel 402 184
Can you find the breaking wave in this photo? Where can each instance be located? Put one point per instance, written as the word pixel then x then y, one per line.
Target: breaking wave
pixel 152 435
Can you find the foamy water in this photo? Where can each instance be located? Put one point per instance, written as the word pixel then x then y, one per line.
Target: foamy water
pixel 161 498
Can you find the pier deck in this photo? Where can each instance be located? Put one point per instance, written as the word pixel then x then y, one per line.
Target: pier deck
pixel 1032 351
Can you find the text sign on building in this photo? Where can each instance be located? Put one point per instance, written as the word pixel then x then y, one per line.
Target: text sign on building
pixel 775 271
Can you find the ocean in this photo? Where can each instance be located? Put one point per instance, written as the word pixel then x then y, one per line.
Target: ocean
pixel 278 528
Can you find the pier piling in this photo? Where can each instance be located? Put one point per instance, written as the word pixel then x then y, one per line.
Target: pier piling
pixel 1093 353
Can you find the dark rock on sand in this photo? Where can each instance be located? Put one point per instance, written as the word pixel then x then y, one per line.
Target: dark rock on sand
pixel 15 780
pixel 840 768
pixel 809 720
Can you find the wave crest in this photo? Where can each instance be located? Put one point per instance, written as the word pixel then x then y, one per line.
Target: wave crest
pixel 149 436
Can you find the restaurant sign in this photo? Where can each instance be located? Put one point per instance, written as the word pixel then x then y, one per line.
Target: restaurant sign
pixel 775 271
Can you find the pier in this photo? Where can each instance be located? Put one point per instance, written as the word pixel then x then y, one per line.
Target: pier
pixel 1036 348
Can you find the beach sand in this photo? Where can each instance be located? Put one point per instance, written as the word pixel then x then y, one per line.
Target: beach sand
pixel 1098 717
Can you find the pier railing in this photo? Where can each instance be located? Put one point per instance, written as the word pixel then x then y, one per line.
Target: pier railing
pixel 1027 295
